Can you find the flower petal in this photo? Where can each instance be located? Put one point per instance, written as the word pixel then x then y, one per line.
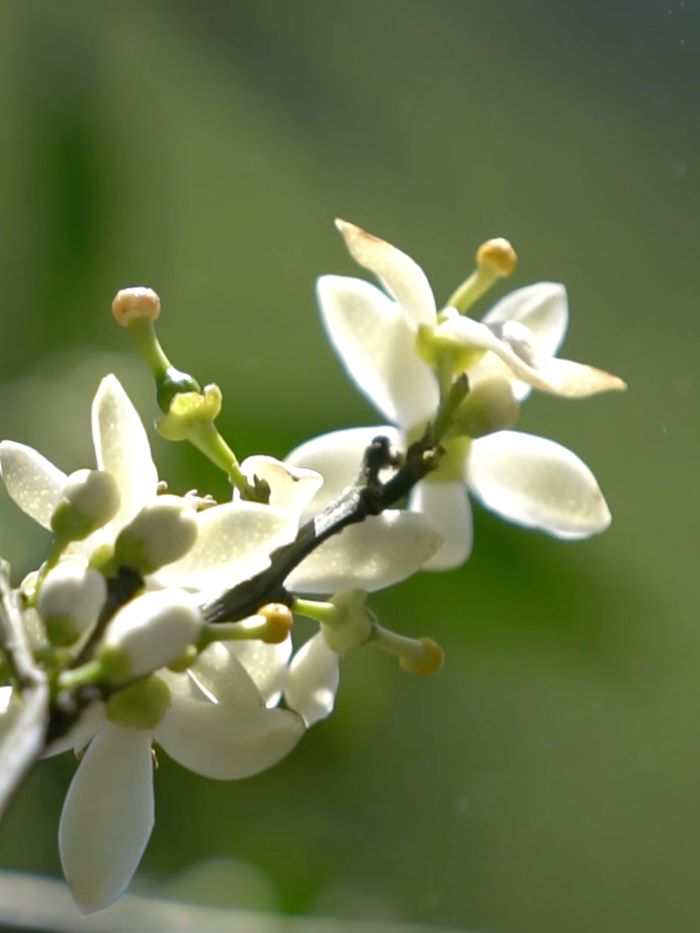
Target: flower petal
pixel 266 664
pixel 313 680
pixel 227 742
pixel 543 308
pixel 91 719
pixel 534 482
pixel 402 277
pixel 291 488
pixel 337 456
pixel 122 448
pixel 559 377
pixel 32 481
pixel 376 342
pixel 234 542
pixel 379 552
pixel 108 816
pixel 447 505
pixel 223 678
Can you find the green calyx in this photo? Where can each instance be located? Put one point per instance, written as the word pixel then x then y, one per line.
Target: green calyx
pixel 141 705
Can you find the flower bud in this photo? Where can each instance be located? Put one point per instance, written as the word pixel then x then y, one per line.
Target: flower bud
pixel 158 535
pixel 134 304
pixel 490 406
pixel 70 599
pixel 498 255
pixel 148 633
pixel 90 498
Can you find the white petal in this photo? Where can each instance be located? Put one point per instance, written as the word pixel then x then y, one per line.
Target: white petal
pixel 399 274
pixel 234 542
pixel 447 505
pixel 225 742
pixel 543 308
pixel 379 552
pixel 223 678
pixel 376 341
pixel 559 377
pixel 313 680
pixel 266 664
pixel 291 488
pixel 337 456
pixel 108 816
pixel 32 481
pixel 91 719
pixel 122 448
pixel 535 482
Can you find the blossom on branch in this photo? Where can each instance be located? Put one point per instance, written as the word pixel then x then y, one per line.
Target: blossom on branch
pixel 397 349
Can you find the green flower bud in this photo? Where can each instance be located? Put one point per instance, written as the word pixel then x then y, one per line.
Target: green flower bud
pixel 150 632
pixel 70 599
pixel 160 534
pixel 89 500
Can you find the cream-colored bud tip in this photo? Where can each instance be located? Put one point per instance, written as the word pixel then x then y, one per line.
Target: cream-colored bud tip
pixel 133 304
pixel 499 255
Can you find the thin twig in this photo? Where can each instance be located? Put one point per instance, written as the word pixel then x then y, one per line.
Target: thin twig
pixel 27 719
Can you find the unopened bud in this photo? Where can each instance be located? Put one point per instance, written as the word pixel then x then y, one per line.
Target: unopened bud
pixel 490 406
pixel 151 632
pixel 160 534
pixel 135 304
pixel 498 255
pixel 70 599
pixel 90 498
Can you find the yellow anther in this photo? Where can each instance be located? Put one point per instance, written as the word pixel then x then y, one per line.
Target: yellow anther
pixel 498 255
pixel 135 304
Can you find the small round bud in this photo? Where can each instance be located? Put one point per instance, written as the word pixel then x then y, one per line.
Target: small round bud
pixel 90 498
pixel 279 621
pixel 160 534
pixel 135 304
pixel 70 600
pixel 428 660
pixel 152 631
pixel 498 255
pixel 141 705
pixel 490 406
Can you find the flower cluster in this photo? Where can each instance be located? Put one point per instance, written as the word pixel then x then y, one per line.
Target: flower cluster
pixel 166 620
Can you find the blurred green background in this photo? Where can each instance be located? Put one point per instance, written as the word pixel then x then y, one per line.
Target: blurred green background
pixel 547 779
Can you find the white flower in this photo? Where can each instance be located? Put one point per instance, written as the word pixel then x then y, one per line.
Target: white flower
pixel 233 541
pixel 221 723
pixel 526 479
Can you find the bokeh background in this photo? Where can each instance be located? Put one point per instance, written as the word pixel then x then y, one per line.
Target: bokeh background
pixel 549 778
